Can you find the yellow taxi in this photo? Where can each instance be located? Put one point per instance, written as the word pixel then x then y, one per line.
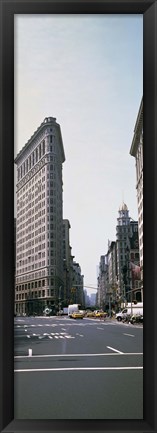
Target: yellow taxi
pixel 77 315
pixel 100 314
pixel 90 314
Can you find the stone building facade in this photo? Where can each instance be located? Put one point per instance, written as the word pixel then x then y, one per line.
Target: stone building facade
pixel 136 151
pixel 125 231
pixel 39 234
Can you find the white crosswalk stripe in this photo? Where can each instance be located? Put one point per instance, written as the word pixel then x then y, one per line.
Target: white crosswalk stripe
pixel 53 335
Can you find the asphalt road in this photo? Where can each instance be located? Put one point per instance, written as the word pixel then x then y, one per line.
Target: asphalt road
pixel 77 369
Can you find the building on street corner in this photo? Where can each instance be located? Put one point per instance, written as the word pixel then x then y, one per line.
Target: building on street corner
pixel 119 279
pixel 126 232
pixel 136 150
pixel 39 234
pixel 102 281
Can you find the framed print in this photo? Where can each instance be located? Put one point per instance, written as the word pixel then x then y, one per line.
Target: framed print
pixel 92 65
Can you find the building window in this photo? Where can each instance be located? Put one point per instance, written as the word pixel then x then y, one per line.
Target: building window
pixel 36 152
pixel 39 150
pixel 43 147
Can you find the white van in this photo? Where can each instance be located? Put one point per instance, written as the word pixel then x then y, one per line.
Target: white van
pixel 135 309
pixel 72 309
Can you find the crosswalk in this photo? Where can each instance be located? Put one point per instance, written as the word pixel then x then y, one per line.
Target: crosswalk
pixel 51 336
pixel 62 334
pixel 53 325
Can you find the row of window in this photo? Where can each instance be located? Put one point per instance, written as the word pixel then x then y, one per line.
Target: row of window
pixel 28 218
pixel 30 268
pixel 25 246
pixel 32 295
pixel 28 286
pixel 28 184
pixel 35 295
pixel 37 257
pixel 34 284
pixel 32 276
pixel 29 253
pixel 35 156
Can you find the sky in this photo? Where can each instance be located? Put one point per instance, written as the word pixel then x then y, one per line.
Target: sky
pixel 87 72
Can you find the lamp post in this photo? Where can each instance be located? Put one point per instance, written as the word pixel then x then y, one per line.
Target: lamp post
pixel 110 294
pixel 59 298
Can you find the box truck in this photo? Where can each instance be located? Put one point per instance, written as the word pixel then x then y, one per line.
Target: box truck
pixel 72 309
pixel 130 309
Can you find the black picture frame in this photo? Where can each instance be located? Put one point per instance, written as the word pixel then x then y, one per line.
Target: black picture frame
pixel 7 10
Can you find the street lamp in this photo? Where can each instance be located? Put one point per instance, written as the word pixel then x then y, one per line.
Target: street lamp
pixel 59 304
pixel 110 294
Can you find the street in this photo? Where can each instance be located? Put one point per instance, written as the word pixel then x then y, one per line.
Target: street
pixel 77 369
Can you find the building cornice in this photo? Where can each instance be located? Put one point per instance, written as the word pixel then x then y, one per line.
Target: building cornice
pixel 137 131
pixel 48 121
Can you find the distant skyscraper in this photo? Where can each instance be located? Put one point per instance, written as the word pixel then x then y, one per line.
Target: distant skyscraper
pixel 93 299
pixel 67 261
pixel 102 280
pixel 124 232
pixel 39 231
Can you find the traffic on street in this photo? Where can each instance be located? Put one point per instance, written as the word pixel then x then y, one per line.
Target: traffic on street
pixel 68 368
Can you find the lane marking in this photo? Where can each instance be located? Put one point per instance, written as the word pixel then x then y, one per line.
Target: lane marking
pixel 115 350
pixel 100 328
pixel 76 369
pixel 68 336
pixel 130 335
pixel 80 335
pixel 82 354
